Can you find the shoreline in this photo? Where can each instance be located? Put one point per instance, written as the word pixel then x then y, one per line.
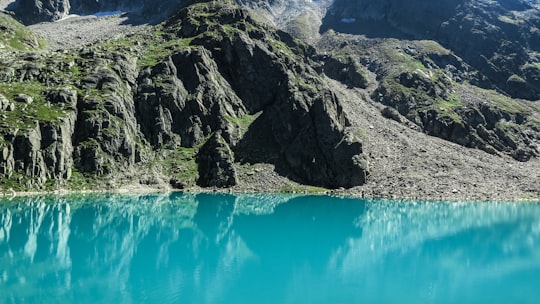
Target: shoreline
pixel 130 190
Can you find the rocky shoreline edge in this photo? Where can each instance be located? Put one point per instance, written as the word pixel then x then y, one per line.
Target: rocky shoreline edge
pixel 142 190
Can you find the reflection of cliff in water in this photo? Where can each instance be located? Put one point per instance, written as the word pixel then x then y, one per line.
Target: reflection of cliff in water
pixel 154 246
pixel 224 248
pixel 294 243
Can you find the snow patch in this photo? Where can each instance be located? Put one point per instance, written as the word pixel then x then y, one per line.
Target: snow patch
pixel 107 14
pixel 98 15
pixel 68 17
pixel 348 20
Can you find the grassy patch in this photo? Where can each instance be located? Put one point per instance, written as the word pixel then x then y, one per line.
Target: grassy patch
pixel 502 102
pixel 360 134
pixel 25 115
pixel 279 46
pixel 401 59
pixel 243 122
pixel 180 164
pixel 302 189
pixel 82 181
pixel 516 78
pixel 16 183
pixel 452 102
pixel 15 36
pixel 433 47
pixel 162 46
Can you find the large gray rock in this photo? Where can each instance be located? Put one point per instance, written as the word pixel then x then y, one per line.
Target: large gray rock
pixel 216 163
pixel 5 104
pixel 345 69
pixel 188 99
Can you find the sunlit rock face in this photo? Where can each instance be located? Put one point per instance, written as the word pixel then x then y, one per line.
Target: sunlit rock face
pixel 224 248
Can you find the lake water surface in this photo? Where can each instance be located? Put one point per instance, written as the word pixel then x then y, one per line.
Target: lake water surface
pixel 203 248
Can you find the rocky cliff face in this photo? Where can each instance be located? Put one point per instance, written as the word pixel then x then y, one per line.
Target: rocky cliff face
pixel 457 70
pixel 498 38
pixel 182 103
pixel 427 85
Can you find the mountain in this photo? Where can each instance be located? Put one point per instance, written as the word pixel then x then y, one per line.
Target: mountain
pixel 423 98
pixel 500 39
pixel 183 101
pixel 457 69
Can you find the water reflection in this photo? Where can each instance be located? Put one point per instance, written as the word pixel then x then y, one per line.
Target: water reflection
pixel 266 249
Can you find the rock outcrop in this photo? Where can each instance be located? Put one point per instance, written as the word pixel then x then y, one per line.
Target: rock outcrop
pixel 216 163
pixel 498 38
pixel 35 11
pixel 440 93
pixel 235 68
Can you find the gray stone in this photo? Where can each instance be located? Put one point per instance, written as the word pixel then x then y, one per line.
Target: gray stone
pixel 216 163
pixel 5 104
pixel 24 98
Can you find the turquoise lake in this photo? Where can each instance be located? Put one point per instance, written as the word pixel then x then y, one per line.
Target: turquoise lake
pixel 206 248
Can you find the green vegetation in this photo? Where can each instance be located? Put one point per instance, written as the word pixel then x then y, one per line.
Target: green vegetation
pixel 449 106
pixel 83 181
pixel 15 182
pixel 180 164
pixel 162 46
pixel 414 82
pixel 516 78
pixel 15 36
pixel 432 47
pixel 25 115
pixel 302 189
pixel 360 134
pixel 399 58
pixel 502 102
pixel 243 122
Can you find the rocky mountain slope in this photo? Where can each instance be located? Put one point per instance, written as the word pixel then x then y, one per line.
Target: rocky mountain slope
pixel 442 105
pixel 500 39
pixel 181 102
pixel 16 37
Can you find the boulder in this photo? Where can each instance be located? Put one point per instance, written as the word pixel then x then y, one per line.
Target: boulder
pixel 5 104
